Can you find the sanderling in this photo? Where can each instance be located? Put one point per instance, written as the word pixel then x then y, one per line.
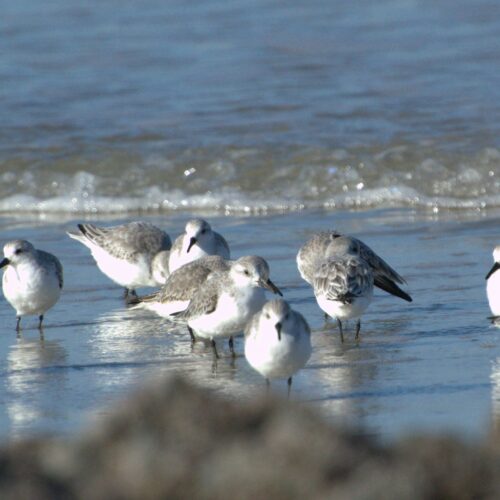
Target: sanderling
pixel 197 241
pixel 159 267
pixel 343 284
pixel 223 305
pixel 32 280
pixel 132 255
pixel 180 286
pixel 320 247
pixel 277 341
pixel 493 284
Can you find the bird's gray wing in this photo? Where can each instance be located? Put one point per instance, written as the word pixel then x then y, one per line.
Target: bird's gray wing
pixel 204 300
pixel 386 284
pixel 313 253
pixel 379 265
pixel 222 244
pixel 59 272
pixel 127 240
pixel 177 245
pixel 185 281
pixel 303 324
pixel 150 297
pixel 345 278
pixel 48 257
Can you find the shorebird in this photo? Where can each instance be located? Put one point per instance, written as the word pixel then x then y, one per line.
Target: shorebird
pixel 277 341
pixel 32 280
pixel 197 241
pixel 180 286
pixel 493 285
pixel 226 301
pixel 321 246
pixel 343 285
pixel 133 255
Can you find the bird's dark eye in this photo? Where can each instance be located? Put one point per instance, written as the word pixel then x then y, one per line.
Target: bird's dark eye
pixel 18 251
pixel 247 273
pixel 267 316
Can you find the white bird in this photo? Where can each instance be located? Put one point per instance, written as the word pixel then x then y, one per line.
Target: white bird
pixel 321 246
pixel 223 305
pixel 159 267
pixel 493 284
pixel 343 284
pixel 32 280
pixel 133 255
pixel 197 241
pixel 277 341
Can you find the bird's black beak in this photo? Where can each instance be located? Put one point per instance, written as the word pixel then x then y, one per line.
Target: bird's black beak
pixel 278 329
pixel 271 286
pixel 496 267
pixel 4 262
pixel 192 242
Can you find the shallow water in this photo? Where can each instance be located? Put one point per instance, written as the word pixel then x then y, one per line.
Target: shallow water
pixel 248 106
pixel 273 120
pixel 431 365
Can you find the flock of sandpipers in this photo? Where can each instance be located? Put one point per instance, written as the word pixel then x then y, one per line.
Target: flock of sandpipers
pixel 216 297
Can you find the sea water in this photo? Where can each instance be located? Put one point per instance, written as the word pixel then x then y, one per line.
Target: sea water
pixel 430 365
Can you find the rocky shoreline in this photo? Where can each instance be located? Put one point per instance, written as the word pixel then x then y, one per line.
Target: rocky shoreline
pixel 175 440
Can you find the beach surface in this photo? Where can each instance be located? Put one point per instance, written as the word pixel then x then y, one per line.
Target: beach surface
pixel 430 365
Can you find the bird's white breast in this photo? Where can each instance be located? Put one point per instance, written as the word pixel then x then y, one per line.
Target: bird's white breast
pixel 493 292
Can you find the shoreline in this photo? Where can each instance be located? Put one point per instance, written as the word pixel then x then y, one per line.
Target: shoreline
pixel 414 367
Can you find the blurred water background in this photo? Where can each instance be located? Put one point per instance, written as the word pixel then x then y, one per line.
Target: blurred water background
pixel 119 106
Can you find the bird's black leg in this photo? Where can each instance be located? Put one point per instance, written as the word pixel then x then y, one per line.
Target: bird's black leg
pixel 358 328
pixel 289 383
pixel 215 357
pixel 214 349
pixel 40 319
pixel 18 324
pixel 231 346
pixel 341 330
pixel 130 296
pixel 191 334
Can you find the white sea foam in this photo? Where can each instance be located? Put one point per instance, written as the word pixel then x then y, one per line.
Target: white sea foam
pixel 253 180
pixel 237 202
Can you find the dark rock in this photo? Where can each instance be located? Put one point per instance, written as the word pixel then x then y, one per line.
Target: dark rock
pixel 173 440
